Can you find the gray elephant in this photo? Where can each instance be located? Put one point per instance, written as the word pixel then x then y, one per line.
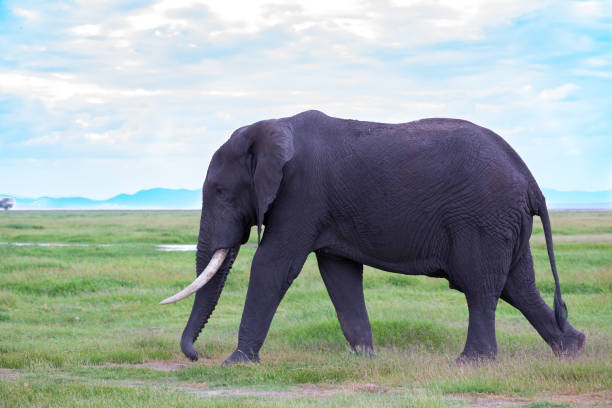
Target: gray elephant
pixel 438 197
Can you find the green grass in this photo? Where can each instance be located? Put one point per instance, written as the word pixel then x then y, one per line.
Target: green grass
pixel 80 324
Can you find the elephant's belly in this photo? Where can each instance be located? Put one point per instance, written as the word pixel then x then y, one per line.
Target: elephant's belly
pixel 430 266
pixel 408 248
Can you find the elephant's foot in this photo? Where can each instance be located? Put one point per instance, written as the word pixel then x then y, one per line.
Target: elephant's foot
pixel 239 356
pixel 471 357
pixel 569 344
pixel 363 351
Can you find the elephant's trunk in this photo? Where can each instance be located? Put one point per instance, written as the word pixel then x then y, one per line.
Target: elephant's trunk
pixel 205 301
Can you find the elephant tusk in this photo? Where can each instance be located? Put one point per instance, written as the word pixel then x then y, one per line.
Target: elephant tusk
pixel 213 266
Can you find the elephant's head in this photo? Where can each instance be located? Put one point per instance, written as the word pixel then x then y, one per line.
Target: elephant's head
pixel 243 178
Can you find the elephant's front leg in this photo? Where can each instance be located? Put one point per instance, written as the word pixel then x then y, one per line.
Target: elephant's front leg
pixel 273 270
pixel 344 281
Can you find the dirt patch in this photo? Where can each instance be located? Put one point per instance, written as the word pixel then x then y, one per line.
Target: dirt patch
pixel 492 400
pixel 9 373
pixel 158 365
pixel 373 388
pixel 203 390
pixel 308 391
pixel 163 365
pixel 603 398
pixel 597 399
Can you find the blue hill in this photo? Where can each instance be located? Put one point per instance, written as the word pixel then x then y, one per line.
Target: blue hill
pixel 155 198
pixel 159 198
pixel 164 198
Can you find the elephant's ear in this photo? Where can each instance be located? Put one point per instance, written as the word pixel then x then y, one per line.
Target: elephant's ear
pixel 272 148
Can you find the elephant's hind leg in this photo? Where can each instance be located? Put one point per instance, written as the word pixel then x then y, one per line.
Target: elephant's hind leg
pixel 521 292
pixel 481 343
pixel 480 266
pixel 344 282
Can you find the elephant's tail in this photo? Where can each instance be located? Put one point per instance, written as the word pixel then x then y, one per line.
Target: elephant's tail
pixel 541 210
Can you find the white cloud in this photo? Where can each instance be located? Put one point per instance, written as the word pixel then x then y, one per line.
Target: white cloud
pixel 151 20
pixel 587 9
pixel 358 27
pixel 493 108
pixel 606 74
pixel 87 30
pixel 110 137
pixel 600 61
pixel 559 93
pixel 230 94
pixel 405 22
pixel 44 140
pixel 52 89
pixel 29 15
pixel 173 79
pixel 571 144
pixel 82 123
pixel 449 20
pixel 224 115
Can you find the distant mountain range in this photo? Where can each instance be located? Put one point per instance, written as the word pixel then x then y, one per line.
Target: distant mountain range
pixel 153 199
pixel 163 198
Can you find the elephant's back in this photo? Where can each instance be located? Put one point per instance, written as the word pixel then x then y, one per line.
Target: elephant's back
pixel 434 176
pixel 427 163
pixel 469 164
pixel 433 150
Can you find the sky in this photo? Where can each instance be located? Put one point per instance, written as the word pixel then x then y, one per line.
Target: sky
pixel 99 98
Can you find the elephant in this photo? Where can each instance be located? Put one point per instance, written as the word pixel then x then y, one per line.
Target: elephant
pixel 439 197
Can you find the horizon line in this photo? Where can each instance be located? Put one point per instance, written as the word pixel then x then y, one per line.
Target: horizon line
pixel 2 195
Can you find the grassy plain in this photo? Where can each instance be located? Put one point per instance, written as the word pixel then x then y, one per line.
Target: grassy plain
pixel 80 325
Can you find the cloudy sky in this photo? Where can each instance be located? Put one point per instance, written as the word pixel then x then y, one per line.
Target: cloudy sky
pixel 103 97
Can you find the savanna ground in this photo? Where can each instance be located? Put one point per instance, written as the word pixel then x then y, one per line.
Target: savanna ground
pixel 81 325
